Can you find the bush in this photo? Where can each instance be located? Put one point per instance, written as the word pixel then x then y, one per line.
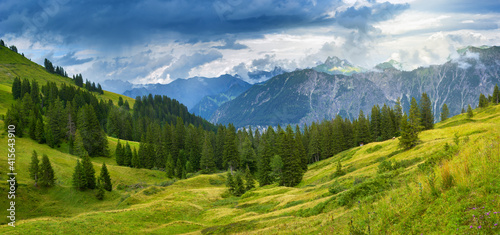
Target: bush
pixel 336 188
pixel 368 188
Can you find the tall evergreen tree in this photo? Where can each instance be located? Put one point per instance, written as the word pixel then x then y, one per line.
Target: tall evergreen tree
pixel 34 167
pixel 100 189
pixel 249 180
pixel 88 169
pixel 16 88
pixel 239 187
pixel 426 115
pixel 230 184
pixel 375 129
pixel 247 155
pixel 398 115
pixel 386 123
pixel 362 129
pixel 47 177
pixel 410 127
pixel 470 114
pixel 119 154
pixel 230 154
pixel 495 99
pixel 314 144
pixel 483 101
pixel 265 158
pixel 79 179
pixel 292 169
pixel 106 179
pixel 127 155
pixel 94 138
pixel 78 147
pixel 444 112
pixel 301 151
pixel 207 161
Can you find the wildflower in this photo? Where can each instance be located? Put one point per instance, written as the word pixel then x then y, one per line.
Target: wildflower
pixel 495 224
pixel 474 208
pixel 479 226
pixel 471 226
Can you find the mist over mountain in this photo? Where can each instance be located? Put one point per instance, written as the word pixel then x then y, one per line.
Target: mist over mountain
pixel 305 96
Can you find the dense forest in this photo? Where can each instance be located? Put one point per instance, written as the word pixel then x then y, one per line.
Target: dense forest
pixel 179 143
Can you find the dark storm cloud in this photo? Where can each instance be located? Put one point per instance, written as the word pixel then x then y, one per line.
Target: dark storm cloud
pixel 112 23
pixel 70 59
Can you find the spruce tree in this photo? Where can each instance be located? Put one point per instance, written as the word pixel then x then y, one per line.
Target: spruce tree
pixel 119 154
pixel 247 155
pixel 292 169
pixel 94 138
pixel 79 180
pixel 40 131
pixel 239 187
pixel 426 115
pixel 300 148
pixel 386 123
pixel 78 147
pixel 265 159
pixel 375 129
pixel 495 99
pixel 463 110
pixel 230 183
pixel 170 166
pixel 47 177
pixel 314 144
pixel 106 179
pixel 135 159
pixel 483 101
pixel 16 88
pixel 230 154
pixel 100 189
pixel 444 112
pixel 88 169
pixel 249 180
pixel 410 127
pixel 207 161
pixel 398 115
pixel 470 114
pixel 34 167
pixel 127 155
pixel 178 168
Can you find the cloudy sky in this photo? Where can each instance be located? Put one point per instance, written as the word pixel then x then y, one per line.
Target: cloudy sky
pixel 158 41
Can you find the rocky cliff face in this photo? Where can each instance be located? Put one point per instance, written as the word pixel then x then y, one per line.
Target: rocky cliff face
pixel 304 96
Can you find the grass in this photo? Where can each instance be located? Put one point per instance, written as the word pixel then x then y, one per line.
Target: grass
pixel 386 191
pixel 15 65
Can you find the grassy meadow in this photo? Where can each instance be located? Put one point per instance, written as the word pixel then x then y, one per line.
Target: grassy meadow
pixel 448 184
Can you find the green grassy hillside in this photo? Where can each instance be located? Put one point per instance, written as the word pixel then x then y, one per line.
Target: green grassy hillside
pixel 430 189
pixel 15 65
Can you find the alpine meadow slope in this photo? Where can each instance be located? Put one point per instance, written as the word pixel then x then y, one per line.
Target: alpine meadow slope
pixel 449 182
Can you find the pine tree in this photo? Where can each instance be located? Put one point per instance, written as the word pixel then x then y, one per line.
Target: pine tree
pixel 362 129
pixel 207 161
pixel 426 115
pixel 100 189
pixel 444 112
pixel 34 167
pixel 88 169
pixel 135 162
pixel 247 155
pixel 127 155
pixel 170 166
pixel 463 110
pixel 16 88
pixel 495 99
pixel 249 180
pixel 386 123
pixel 410 127
pixel 230 155
pixel 40 131
pixel 483 101
pixel 94 138
pixel 178 168
pixel 239 187
pixel 47 178
pixel 79 180
pixel 230 184
pixel 106 179
pixel 375 129
pixel 292 169
pixel 119 154
pixel 314 144
pixel 266 154
pixel 79 148
pixel 300 148
pixel 398 115
pixel 470 114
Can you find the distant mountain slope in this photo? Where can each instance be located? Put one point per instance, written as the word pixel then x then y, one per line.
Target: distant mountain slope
pixel 207 106
pixel 307 95
pixel 189 91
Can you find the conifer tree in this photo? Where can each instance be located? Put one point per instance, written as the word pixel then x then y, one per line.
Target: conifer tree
pixel 300 148
pixel 239 187
pixel 410 127
pixel 230 183
pixel 170 166
pixel 16 88
pixel 426 115
pixel 249 180
pixel 119 154
pixel 338 139
pixel 265 170
pixel 94 138
pixel 470 114
pixel 100 189
pixel 106 179
pixel 207 161
pixel 463 110
pixel 362 129
pixel 178 168
pixel 39 130
pixel 34 167
pixel 247 155
pixel 444 112
pixel 47 177
pixel 495 99
pixel 127 156
pixel 135 159
pixel 398 115
pixel 230 154
pixel 314 144
pixel 483 101
pixel 79 148
pixel 375 129
pixel 79 180
pixel 88 169
pixel 386 123
pixel 292 169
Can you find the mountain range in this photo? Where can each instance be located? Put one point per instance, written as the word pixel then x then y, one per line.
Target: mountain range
pixel 304 96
